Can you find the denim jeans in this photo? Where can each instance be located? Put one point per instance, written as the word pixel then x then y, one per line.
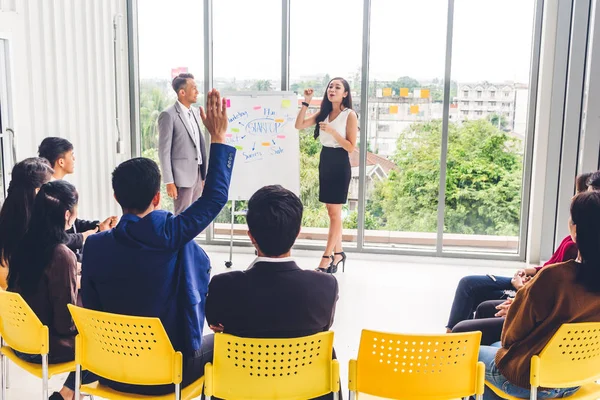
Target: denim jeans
pixel 86 377
pixel 487 355
pixel 473 290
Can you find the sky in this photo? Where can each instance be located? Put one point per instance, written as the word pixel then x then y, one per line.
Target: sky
pixel 492 38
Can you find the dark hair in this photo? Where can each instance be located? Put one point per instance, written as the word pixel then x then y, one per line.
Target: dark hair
pixel 46 231
pixel 274 218
pixel 53 148
pixel 594 180
pixel 180 81
pixel 581 182
pixel 135 183
pixel 27 175
pixel 327 106
pixel 585 214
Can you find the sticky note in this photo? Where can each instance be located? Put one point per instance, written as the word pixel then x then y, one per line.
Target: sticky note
pixel 239 147
pixel 285 103
pixel 280 136
pixel 266 144
pixel 228 103
pixel 256 107
pixel 387 92
pixel 236 130
pixel 280 120
pixel 425 93
pixel 228 135
pixel 393 109
pixel 403 92
pixel 414 109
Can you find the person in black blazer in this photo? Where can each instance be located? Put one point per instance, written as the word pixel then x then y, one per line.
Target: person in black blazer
pixel 273 298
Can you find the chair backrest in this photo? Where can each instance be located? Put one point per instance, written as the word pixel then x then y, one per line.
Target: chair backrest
pixel 283 369
pixel 20 328
pixel 417 366
pixel 123 348
pixel 571 358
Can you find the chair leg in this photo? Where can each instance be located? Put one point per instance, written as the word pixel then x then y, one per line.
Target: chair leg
pixel 533 393
pixel 178 391
pixel 7 375
pixel 44 376
pixel 77 381
pixel 3 375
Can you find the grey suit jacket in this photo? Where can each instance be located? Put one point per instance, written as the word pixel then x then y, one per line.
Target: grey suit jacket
pixel 177 148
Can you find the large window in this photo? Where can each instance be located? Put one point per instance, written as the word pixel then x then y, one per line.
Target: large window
pixel 247 45
pixel 163 53
pixel 486 150
pixel 337 25
pixel 407 80
pixel 403 117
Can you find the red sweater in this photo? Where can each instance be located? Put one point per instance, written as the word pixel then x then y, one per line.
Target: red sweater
pixel 567 250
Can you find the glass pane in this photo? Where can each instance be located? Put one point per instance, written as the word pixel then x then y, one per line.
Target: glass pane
pixel 491 65
pixel 405 121
pixel 312 65
pixel 247 57
pixel 163 54
pixel 247 45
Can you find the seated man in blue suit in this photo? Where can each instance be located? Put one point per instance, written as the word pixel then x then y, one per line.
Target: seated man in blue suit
pixel 149 265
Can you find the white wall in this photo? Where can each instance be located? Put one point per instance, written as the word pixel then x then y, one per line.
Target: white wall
pixel 61 56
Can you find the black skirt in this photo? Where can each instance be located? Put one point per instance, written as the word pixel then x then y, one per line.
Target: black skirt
pixel 334 175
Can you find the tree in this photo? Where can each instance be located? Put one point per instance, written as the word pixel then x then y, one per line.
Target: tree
pixel 483 184
pixel 498 120
pixel 153 100
pixel 263 85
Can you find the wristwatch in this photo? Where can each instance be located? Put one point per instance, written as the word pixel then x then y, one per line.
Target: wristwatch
pixel 305 104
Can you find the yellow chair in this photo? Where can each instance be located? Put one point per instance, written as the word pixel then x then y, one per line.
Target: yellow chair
pixel 22 330
pixel 131 350
pixel 282 369
pixel 571 358
pixel 417 367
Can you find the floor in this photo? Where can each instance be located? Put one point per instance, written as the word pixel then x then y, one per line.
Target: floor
pixel 381 292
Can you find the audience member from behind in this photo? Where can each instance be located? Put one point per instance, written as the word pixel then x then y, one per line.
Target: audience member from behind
pixel 27 178
pixel 43 270
pixel 475 290
pixel 273 298
pixel 149 265
pixel 60 153
pixel 561 293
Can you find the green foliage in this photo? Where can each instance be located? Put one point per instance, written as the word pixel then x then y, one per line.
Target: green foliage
pixel 154 98
pixel 498 121
pixel 166 203
pixel 483 184
pixel 263 85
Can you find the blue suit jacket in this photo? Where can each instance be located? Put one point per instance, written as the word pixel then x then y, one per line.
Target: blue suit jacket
pixel 152 267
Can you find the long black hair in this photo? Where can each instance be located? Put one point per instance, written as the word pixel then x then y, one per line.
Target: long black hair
pixel 327 106
pixel 46 231
pixel 27 176
pixel 585 214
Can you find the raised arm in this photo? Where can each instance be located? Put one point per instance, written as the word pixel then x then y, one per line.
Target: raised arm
pixel 301 121
pixel 187 225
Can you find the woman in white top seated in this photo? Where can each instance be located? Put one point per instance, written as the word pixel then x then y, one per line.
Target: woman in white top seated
pixel 336 127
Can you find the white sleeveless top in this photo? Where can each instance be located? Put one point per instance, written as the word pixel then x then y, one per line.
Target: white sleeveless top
pixel 339 124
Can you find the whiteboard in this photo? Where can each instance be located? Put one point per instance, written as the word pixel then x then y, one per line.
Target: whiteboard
pixel 261 128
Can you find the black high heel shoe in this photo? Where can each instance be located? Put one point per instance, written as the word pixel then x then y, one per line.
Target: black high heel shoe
pixel 328 268
pixel 334 266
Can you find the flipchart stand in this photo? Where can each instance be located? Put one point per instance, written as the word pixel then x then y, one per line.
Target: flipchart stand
pixel 234 214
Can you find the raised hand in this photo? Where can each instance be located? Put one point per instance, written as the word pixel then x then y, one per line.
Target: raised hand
pixel 308 94
pixel 215 116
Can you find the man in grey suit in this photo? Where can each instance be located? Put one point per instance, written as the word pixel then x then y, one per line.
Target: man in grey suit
pixel 181 147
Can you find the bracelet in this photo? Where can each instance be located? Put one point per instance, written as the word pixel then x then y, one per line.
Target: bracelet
pixel 305 103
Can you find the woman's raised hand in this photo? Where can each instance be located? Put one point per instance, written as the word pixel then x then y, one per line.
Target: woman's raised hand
pixel 308 94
